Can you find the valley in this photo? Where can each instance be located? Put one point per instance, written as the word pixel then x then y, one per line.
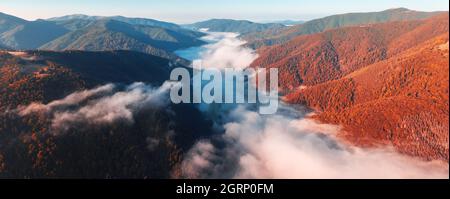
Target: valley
pixel 361 95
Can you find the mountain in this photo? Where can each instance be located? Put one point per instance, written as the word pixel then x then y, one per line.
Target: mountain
pixel 316 58
pixel 8 22
pixel 3 47
pixel 132 21
pixel 77 22
pixel 229 25
pixel 272 37
pixel 74 24
pixel 149 145
pixel 146 22
pixel 75 16
pixel 21 34
pixel 114 35
pixel 385 83
pixel 286 22
pixel 32 147
pixel 80 32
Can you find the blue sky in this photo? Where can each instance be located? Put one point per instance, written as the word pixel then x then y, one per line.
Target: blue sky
pixel 185 11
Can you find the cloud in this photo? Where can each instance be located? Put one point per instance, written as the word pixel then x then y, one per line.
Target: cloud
pixel 200 158
pixel 101 105
pixel 226 52
pixel 72 99
pixel 152 143
pixel 282 146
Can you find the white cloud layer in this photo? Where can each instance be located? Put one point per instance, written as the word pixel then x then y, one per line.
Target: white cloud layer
pixel 101 105
pixel 226 51
pixel 72 99
pixel 281 146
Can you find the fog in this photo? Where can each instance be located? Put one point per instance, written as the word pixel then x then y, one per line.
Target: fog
pixel 283 146
pixel 224 50
pixel 101 105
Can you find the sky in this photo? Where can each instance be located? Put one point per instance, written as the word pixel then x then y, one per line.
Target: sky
pixel 187 11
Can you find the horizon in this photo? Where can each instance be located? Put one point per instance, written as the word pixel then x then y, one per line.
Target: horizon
pixel 214 18
pixel 181 12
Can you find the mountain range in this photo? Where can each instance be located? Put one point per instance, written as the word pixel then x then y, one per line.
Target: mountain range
pixel 79 32
pixel 132 21
pixel 115 35
pixel 287 22
pixel 277 36
pixel 386 83
pixel 21 34
pixel 230 25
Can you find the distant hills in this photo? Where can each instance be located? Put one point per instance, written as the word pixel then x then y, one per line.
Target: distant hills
pixel 107 34
pixel 271 37
pixel 229 25
pixel 386 83
pixel 288 22
pixel 80 32
pixel 132 21
pixel 21 34
pixel 8 22
pixel 284 22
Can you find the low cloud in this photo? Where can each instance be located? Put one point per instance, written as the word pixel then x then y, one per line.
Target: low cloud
pixel 226 52
pixel 72 99
pixel 200 159
pixel 101 105
pixel 282 146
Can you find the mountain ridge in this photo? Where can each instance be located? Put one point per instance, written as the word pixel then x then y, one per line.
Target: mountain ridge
pixel 16 32
pixel 231 25
pixel 336 53
pixel 401 101
pixel 110 34
pixel 272 37
pixel 82 32
pixel 130 20
pixel 386 84
pixel 85 69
